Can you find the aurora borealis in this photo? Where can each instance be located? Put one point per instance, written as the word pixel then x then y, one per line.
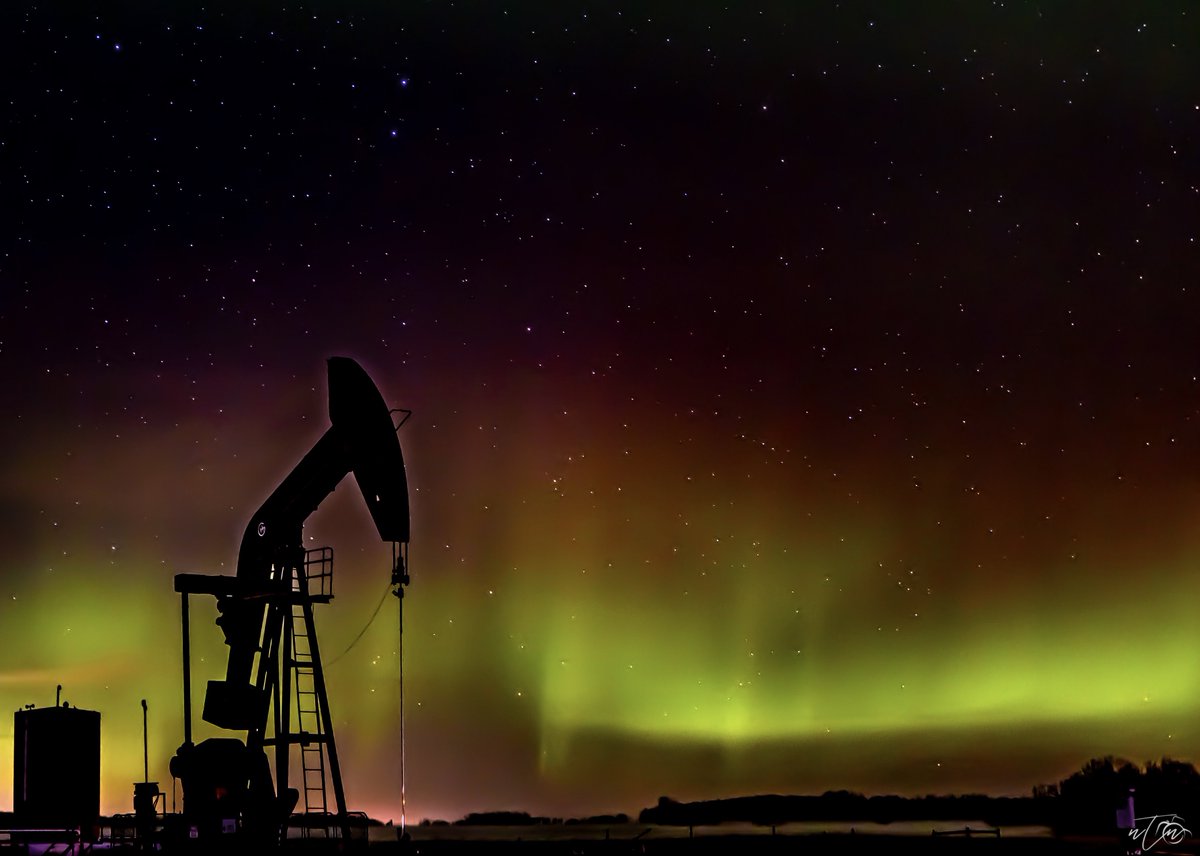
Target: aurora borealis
pixel 804 395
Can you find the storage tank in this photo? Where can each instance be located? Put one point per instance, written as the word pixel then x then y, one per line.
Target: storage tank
pixel 56 769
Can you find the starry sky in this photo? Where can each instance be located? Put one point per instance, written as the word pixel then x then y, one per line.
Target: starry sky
pixel 804 394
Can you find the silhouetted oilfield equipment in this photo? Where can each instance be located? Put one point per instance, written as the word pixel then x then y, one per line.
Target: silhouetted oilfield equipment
pixel 56 769
pixel 274 687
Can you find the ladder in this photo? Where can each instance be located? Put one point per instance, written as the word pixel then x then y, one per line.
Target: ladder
pixel 308 716
pixel 310 726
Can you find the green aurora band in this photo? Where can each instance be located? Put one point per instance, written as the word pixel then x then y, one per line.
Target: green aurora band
pixel 572 641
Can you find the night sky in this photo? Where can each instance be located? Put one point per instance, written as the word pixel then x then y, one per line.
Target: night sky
pixel 804 394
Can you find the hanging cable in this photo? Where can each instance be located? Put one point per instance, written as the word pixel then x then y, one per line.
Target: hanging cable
pixel 366 627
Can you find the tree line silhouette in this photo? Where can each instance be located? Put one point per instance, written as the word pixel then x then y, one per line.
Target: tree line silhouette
pixel 1086 801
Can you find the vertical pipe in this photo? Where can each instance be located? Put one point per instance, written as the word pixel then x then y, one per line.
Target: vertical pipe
pixel 187 672
pixel 399 581
pixel 145 746
pixel 400 656
pixel 283 711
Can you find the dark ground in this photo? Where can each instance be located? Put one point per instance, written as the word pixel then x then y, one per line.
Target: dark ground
pixel 814 844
